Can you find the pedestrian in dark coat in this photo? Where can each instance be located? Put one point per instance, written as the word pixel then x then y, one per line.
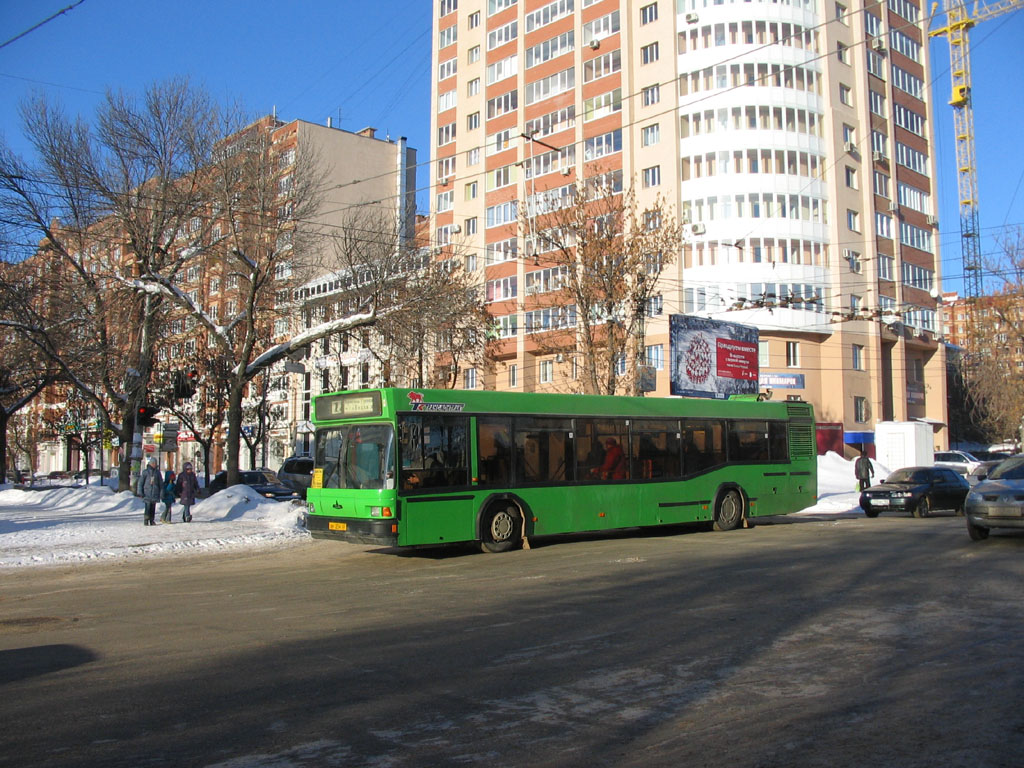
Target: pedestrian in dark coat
pixel 187 487
pixel 150 488
pixel 863 470
pixel 168 496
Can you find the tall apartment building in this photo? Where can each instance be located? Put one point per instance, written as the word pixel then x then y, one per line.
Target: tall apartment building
pixel 793 138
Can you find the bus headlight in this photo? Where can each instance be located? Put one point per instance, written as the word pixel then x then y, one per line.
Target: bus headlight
pixel 380 511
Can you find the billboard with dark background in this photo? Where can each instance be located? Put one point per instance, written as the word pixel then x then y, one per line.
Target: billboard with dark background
pixel 711 358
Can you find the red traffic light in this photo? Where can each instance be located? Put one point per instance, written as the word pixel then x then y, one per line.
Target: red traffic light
pixel 146 416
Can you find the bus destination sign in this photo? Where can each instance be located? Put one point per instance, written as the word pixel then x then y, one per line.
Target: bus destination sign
pixel 348 406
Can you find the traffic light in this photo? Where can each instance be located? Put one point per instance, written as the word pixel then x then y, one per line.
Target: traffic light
pixel 184 383
pixel 146 417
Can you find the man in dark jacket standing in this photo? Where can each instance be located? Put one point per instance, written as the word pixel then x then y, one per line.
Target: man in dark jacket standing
pixel 150 489
pixel 863 470
pixel 187 487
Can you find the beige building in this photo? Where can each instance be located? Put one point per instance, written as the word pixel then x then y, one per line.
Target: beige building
pixel 793 138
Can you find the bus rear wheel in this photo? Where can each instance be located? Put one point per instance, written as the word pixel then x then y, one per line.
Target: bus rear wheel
pixel 728 511
pixel 500 528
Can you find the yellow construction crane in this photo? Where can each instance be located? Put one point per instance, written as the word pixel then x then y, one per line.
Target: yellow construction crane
pixel 958 21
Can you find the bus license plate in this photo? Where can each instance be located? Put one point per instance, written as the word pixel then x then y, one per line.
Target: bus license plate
pixel 337 526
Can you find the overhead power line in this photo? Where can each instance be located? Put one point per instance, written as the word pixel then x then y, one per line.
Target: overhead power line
pixel 41 23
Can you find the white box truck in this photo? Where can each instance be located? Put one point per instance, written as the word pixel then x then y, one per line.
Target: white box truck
pixel 901 444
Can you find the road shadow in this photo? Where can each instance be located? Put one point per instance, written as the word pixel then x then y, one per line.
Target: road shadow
pixel 33 661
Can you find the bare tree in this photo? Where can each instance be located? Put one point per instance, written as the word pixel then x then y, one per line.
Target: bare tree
pixel 991 364
pixel 108 202
pixel 602 257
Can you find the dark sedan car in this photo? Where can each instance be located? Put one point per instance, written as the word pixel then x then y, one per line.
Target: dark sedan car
pixel 263 481
pixel 997 501
pixel 917 490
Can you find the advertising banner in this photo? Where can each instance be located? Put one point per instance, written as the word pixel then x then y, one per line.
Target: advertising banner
pixel 782 380
pixel 711 358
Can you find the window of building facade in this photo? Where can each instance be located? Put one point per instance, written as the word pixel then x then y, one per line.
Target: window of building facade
pixel 857 359
pixel 649 53
pixel 648 13
pixel 792 354
pixel 860 409
pixel 546 371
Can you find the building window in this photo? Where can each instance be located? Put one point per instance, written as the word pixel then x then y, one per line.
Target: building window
pixel 473 121
pixel 846 95
pixel 860 409
pixel 546 371
pixel 469 378
pixel 447 36
pixel 471 225
pixel 763 357
pixel 654 356
pixel 472 189
pixel 648 13
pixel 651 95
pixel 858 357
pixel 852 220
pixel 473 87
pixel 652 176
pixel 851 177
pixel 649 53
pixel 513 376
pixel 650 134
pixel 792 354
pixel 474 20
pixel 474 54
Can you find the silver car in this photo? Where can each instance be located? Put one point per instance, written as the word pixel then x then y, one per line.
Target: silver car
pixel 997 501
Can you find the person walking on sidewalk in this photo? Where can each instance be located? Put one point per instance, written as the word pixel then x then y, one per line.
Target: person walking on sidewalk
pixel 863 470
pixel 187 488
pixel 150 489
pixel 168 496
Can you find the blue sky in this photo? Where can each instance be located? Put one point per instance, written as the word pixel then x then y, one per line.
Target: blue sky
pixel 368 63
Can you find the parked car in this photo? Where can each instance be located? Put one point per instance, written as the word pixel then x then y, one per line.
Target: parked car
pixel 960 461
pixel 263 481
pixel 997 501
pixel 297 473
pixel 918 490
pixel 989 461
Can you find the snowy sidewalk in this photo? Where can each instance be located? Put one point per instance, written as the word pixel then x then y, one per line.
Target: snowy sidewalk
pixel 58 526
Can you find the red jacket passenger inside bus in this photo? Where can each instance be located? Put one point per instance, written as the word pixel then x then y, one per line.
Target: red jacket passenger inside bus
pixel 614 465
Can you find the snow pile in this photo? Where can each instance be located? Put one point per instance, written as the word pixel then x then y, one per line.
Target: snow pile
pixel 66 525
pixel 55 526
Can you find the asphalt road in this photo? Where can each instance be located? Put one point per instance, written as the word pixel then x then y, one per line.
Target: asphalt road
pixel 831 642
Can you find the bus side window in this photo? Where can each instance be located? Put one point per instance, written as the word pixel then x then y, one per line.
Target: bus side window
pixel 494 442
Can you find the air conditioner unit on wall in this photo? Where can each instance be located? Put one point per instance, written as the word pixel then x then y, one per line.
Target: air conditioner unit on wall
pixel 692 18
pixel 878 156
pixel 849 147
pixel 697 229
pixel 933 221
pixel 595 44
pixel 893 206
pixel 878 44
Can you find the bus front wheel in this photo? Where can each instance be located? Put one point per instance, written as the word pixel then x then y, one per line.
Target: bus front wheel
pixel 729 511
pixel 500 527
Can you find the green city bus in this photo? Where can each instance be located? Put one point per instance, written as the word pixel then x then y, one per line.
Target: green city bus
pixel 404 467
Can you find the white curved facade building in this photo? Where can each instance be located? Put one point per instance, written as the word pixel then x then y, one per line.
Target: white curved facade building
pixel 794 138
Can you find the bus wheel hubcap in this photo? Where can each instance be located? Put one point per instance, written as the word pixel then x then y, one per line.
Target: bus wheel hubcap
pixel 501 526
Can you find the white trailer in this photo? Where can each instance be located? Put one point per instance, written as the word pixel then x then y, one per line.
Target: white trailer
pixel 901 444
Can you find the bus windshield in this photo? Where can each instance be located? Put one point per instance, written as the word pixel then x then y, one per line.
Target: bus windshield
pixel 357 456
